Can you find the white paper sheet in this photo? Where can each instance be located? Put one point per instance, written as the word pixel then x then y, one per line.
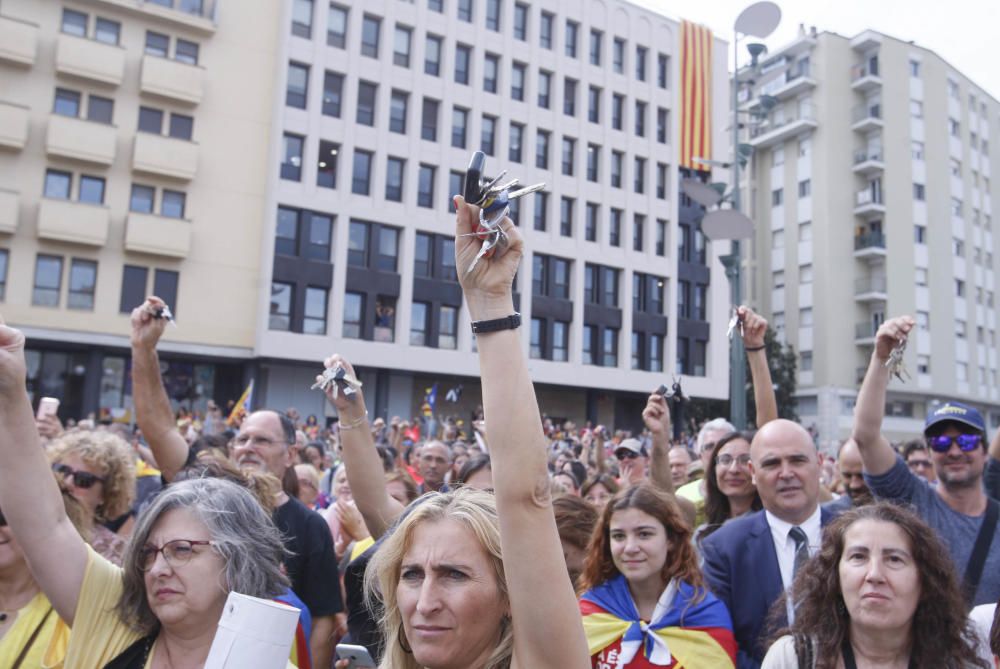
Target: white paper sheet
pixel 254 633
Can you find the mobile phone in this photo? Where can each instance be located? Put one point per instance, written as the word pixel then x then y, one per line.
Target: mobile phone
pixel 358 656
pixel 47 406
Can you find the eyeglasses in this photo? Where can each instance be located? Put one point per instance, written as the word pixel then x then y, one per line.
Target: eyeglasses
pixel 81 479
pixel 726 460
pixel 626 455
pixel 177 553
pixel 942 443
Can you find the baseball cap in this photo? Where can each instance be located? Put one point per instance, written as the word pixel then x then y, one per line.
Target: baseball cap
pixel 633 445
pixel 956 412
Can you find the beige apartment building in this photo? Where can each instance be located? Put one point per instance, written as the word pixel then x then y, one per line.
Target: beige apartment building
pixel 133 160
pixel 871 186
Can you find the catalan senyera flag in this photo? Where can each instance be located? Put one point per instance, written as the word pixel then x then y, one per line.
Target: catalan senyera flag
pixel 242 405
pixel 696 95
pixel 690 629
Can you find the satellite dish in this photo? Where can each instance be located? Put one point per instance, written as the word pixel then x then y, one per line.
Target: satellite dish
pixel 759 19
pixel 726 224
pixel 701 193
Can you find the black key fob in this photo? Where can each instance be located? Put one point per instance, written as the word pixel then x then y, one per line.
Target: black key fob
pixel 473 191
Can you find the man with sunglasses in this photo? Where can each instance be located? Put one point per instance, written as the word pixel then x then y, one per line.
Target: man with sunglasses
pixel 958 508
pixel 633 459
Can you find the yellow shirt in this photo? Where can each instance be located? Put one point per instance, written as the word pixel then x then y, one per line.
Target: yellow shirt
pixel 28 620
pixel 692 491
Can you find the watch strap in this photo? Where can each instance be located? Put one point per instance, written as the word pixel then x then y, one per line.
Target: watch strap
pixel 511 322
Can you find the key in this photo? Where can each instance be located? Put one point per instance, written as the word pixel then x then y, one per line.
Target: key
pixel 165 313
pixel 340 380
pixel 895 363
pixel 526 190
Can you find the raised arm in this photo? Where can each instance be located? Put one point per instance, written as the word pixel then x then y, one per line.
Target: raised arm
pixel 365 471
pixel 600 454
pixel 754 330
pixel 869 411
pixel 656 416
pixel 548 632
pixel 29 495
pixel 152 406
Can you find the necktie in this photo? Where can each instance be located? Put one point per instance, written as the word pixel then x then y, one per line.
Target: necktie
pixel 801 548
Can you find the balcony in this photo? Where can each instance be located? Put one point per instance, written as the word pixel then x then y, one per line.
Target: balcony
pixel 76 222
pixel 867 202
pixel 864 333
pixel 13 126
pixel 165 156
pixel 774 131
pixel 199 15
pixel 868 161
pixel 172 79
pixel 9 204
pixel 90 59
pixel 75 138
pixel 788 85
pixel 18 41
pixel 866 41
pixel 158 235
pixel 869 245
pixel 865 77
pixel 870 289
pixel 865 118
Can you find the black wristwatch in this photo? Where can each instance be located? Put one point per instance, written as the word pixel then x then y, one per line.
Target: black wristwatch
pixel 511 322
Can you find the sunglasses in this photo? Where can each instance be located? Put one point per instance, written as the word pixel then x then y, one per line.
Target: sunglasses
pixel 81 479
pixel 966 442
pixel 626 455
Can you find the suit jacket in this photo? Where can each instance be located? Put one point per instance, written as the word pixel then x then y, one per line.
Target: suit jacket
pixel 741 567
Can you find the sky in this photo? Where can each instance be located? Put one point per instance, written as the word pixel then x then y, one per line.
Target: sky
pixel 960 31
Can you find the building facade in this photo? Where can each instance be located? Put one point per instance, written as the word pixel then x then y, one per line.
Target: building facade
pixel 383 104
pixel 133 160
pixel 871 187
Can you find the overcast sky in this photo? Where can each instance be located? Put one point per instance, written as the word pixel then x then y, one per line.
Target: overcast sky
pixel 960 31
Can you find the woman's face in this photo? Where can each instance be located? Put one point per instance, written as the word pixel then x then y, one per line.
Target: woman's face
pixel 449 598
pixel 638 546
pixel 91 498
pixel 314 457
pixel 568 483
pixel 879 579
pixel 341 488
pixel 189 594
pixel 598 495
pixel 732 471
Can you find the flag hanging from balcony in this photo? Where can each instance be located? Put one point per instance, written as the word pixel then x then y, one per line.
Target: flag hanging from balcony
pixel 696 95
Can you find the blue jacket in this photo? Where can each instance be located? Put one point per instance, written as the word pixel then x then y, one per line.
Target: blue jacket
pixel 741 567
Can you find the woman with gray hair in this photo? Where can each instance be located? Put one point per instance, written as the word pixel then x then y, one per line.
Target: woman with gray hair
pixel 198 541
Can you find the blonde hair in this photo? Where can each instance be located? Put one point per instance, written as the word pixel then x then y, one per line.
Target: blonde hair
pixel 114 460
pixel 477 511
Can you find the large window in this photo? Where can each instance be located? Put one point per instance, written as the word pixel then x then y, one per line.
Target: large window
pixel 298 85
pixel 569 96
pixel 333 93
pixel 82 283
pixel 314 318
pixel 542 149
pixel 354 311
pixel 395 168
pixel 326 165
pixel 371 26
pixel 58 184
pixel 516 141
pixel 336 26
pixel 590 223
pixel 493 15
pixel 403 37
pixel 459 127
pixel 429 119
pixel 491 72
pixel 48 281
pixel 134 281
pixel 572 29
pixel 448 327
pixel 366 102
pixel 545 30
pixel 489 133
pixel 302 11
pixel 567 204
pixel 463 58
pixel 544 88
pixel 609 347
pixel 521 21
pixel 418 324
pixel 432 55
pixel 425 186
pixel 291 162
pixel 91 189
pixel 568 155
pixel 361 177
pixel 518 73
pixel 398 103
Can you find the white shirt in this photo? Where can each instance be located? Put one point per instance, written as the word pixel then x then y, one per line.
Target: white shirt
pixel 784 547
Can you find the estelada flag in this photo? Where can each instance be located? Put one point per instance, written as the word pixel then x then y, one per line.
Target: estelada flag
pixel 242 406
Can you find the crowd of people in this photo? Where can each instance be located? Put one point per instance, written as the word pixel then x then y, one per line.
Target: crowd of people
pixel 518 542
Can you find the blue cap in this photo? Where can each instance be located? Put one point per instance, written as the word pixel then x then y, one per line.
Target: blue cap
pixel 956 412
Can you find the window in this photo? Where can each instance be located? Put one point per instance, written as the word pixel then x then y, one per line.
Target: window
pixel 82 281
pixel 463 56
pixel 954 128
pixel 394 179
pixel 560 341
pixel 401 46
pixel 150 120
pixel 596 39
pixel 615 227
pixel 74 23
pixel 661 181
pixel 520 21
pixel 302 11
pixel 537 341
pixel 291 163
pixel 432 56
pixel 320 233
pixel 640 118
pixel 493 15
pixel 640 175
pixel 661 237
pixel 491 68
pixel 589 344
pixel 107 31
pixel 640 62
pixel 298 85
pixel 173 204
pixel 398 102
pixel 593 212
pixel 917 150
pixel 186 52
pixel 638 231
pixel 593 162
pixel 594 104
pixel 609 347
pixel 91 189
pixel 919 233
pixel 572 28
pixel 914 68
pixel 459 125
pixel 544 88
pixel 516 141
pixel 354 311
pixel 428 119
pixel 541 211
pixel 134 291
pixel 959 288
pixel 545 30
pixel 465 10
pixel 371 26
pixel 48 281
pixel 141 199
pixel 448 327
pixel 777 197
pixel 489 132
pixel 566 216
pixel 358 244
pixel 314 316
pixel 333 90
pixel 919 192
pixel 662 70
pixel 617 165
pixel 418 324
pixel 99 110
pixel 806 361
pixel 366 102
pixel 361 176
pixel 617 111
pixel 157 44
pixel 916 109
pixel 805 274
pixel 181 126
pixel 568 155
pixel 569 96
pixel 542 149
pixel 618 55
pixel 805 188
pixel 67 103
pixel 425 186
pixel 518 73
pixel 326 164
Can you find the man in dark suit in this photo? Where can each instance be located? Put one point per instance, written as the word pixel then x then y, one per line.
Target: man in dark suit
pixel 751 561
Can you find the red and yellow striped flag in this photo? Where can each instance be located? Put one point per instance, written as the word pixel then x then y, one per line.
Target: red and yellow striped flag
pixel 696 95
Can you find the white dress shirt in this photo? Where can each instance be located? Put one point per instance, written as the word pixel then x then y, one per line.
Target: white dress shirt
pixel 784 547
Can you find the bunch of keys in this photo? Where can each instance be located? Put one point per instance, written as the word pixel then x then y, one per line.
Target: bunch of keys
pixel 164 312
pixel 339 380
pixel 733 322
pixel 493 198
pixel 895 363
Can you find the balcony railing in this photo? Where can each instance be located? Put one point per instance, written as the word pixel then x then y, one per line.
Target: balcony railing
pixel 865 330
pixel 864 155
pixel 865 197
pixel 804 113
pixel 869 284
pixel 869 240
pixel 863 112
pixel 18 41
pixel 862 70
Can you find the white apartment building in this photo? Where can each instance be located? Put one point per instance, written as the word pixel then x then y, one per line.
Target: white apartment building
pixel 384 102
pixel 871 186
